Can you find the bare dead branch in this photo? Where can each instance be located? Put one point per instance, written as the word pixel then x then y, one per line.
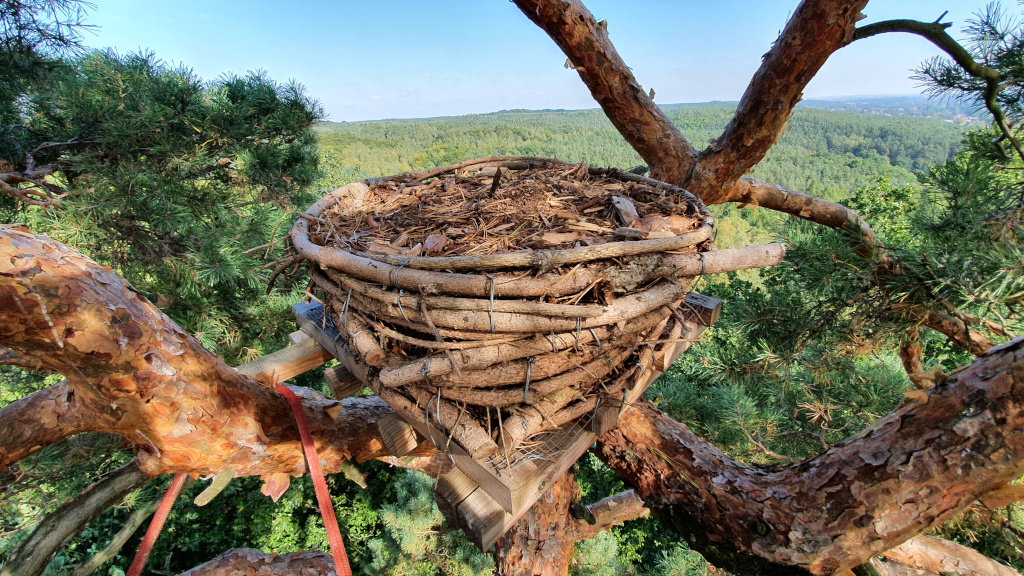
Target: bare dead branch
pixel 610 512
pixel 32 556
pixel 113 548
pixel 255 563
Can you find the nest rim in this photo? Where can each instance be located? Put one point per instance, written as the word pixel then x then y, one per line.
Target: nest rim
pixel 350 260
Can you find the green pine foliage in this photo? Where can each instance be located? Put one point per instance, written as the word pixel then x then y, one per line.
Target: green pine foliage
pixel 414 542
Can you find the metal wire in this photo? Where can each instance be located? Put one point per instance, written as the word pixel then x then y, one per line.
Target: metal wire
pixel 398 300
pixel 344 309
pixel 526 389
pixel 394 279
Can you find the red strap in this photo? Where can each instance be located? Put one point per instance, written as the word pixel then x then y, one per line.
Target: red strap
pixel 341 566
pixel 156 525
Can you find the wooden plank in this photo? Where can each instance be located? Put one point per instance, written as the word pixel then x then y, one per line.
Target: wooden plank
pixel 286 363
pixel 341 382
pixel 704 308
pixel 483 519
pixel 510 491
pixel 399 437
pixel 310 317
pixel 451 489
pixel 297 336
pixel 546 474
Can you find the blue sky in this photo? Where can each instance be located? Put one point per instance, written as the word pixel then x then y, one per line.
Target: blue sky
pixel 407 59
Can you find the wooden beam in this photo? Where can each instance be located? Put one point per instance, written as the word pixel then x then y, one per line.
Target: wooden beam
pixel 286 363
pixel 398 436
pixel 311 318
pixel 342 383
pixel 451 489
pixel 483 520
pixel 297 336
pixel 704 308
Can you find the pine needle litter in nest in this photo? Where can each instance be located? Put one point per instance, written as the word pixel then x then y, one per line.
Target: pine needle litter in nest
pixel 495 211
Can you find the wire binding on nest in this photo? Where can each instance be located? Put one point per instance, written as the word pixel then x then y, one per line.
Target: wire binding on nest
pixel 596 339
pixel 394 279
pixel 526 389
pixel 344 309
pixel 398 300
pixel 426 370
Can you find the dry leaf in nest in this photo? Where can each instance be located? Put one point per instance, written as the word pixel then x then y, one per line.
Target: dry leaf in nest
pixel 434 244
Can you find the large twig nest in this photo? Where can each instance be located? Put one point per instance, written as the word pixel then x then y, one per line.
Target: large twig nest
pixel 502 297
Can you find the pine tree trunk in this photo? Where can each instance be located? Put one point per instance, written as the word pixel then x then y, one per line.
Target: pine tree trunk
pixel 541 542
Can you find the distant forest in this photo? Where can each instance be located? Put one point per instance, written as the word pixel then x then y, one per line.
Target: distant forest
pixel 827 151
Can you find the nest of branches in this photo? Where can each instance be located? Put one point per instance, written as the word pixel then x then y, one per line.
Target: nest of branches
pixel 504 297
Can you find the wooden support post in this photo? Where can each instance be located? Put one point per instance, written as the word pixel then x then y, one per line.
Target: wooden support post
pixel 297 336
pixel 474 496
pixel 483 520
pixel 342 383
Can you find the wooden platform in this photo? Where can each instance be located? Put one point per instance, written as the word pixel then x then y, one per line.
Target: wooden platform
pixel 486 498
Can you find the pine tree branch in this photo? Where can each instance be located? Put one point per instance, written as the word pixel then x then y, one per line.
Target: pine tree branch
pixel 40 419
pixel 958 331
pixel 32 556
pixel 910 354
pixel 911 470
pixel 939 556
pixel 754 193
pixel 813 33
pixel 612 84
pixel 134 373
pixel 935 32
pixel 113 548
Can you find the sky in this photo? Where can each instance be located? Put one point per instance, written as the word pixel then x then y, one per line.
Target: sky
pixel 413 59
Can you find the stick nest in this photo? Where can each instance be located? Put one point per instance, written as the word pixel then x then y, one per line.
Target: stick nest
pixel 502 297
